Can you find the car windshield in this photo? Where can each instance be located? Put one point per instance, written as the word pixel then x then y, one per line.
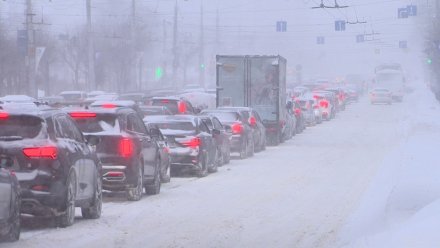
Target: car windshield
pixel 24 127
pixel 71 97
pixel 170 104
pixel 176 126
pixel 153 111
pixel 98 124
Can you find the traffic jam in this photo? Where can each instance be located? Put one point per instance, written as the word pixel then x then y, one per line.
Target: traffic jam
pixel 69 151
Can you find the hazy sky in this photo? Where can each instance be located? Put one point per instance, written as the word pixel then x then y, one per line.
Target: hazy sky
pixel 248 27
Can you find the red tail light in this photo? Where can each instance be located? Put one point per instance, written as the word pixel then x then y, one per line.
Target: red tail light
pixel 323 104
pixel 182 107
pixel 126 147
pixel 40 188
pixel 108 105
pixel 193 143
pixel 4 115
pixel 237 128
pixel 82 115
pixel 252 121
pixel 49 152
pixel 297 111
pixel 166 149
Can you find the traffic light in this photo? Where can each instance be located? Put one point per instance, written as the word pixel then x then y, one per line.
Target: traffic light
pixel 158 72
pixel 429 61
pixel 202 66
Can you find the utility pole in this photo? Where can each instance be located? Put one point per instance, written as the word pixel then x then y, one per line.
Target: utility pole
pixel 134 84
pixel 90 49
pixel 202 48
pixel 175 52
pixel 30 56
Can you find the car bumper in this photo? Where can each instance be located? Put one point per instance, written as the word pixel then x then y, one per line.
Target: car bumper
pixel 236 143
pixel 119 177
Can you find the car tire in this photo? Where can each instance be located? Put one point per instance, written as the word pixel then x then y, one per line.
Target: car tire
pixel 135 194
pixel 94 211
pixel 154 188
pixel 165 176
pixel 203 163
pixel 244 150
pixel 214 167
pixel 14 230
pixel 67 218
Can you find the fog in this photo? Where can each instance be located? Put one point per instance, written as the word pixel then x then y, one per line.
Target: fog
pixel 230 28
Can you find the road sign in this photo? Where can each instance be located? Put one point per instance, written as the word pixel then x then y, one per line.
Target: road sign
pixel 320 40
pixel 281 26
pixel 403 44
pixel 340 25
pixel 412 10
pixel 402 13
pixel 360 38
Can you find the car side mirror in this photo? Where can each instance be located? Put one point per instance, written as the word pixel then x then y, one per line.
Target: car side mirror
pixel 92 140
pixel 216 132
pixel 155 132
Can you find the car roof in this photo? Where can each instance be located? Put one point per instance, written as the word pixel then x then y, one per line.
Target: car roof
pixel 172 98
pixel 172 118
pixel 99 110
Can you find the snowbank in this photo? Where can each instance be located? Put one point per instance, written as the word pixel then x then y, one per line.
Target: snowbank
pixel 401 207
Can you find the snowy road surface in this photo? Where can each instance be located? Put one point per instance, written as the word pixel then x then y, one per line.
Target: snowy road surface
pixel 297 195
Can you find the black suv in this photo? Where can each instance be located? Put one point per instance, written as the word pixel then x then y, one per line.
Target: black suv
pixel 9 202
pixel 54 164
pixel 130 157
pixel 222 138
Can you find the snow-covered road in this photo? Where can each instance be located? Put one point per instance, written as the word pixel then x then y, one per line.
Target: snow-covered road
pixel 299 194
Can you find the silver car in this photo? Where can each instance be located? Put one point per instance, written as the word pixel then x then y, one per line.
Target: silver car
pixel 380 95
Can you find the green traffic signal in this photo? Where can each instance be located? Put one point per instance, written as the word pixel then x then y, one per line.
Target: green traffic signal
pixel 429 61
pixel 159 73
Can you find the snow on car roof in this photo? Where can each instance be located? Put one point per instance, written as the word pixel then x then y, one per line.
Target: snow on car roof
pixel 17 98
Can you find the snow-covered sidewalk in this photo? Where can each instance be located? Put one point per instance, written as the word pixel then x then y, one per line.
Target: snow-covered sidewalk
pixel 401 208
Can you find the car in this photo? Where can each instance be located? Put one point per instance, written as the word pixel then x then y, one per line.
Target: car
pixel 137 97
pixel 326 104
pixel 308 111
pixel 155 110
pixel 177 105
pixel 341 98
pixel 17 99
pixel 102 97
pixel 381 95
pixel 55 165
pixel 192 146
pixel 10 202
pixel 297 112
pixel 235 123
pixel 165 171
pixel 253 118
pixel 118 103
pixel 130 157
pixel 73 96
pixel 222 139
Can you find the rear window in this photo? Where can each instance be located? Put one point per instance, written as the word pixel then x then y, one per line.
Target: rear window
pixel 183 126
pixel 225 116
pixel 71 97
pixel 20 127
pixel 170 104
pixel 152 111
pixel 100 123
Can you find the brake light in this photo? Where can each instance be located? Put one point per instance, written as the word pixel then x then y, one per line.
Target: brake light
pixel 297 111
pixel 182 107
pixel 4 115
pixel 126 147
pixel 323 104
pixel 49 152
pixel 108 105
pixel 40 188
pixel 193 143
pixel 237 128
pixel 166 149
pixel 82 115
pixel 252 121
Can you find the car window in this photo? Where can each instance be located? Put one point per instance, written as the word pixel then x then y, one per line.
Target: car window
pixel 217 124
pixel 256 115
pixel 203 127
pixel 64 128
pixel 208 122
pixel 135 124
pixel 74 130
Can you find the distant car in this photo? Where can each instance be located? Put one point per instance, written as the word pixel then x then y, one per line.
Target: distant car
pixel 352 95
pixel 308 111
pixel 193 88
pixel 242 140
pixel 326 103
pixel 10 202
pixel 192 146
pixel 177 105
pixel 73 96
pixel 139 98
pixel 102 97
pixel 155 110
pixel 17 99
pixel 54 101
pixel 118 104
pixel 130 157
pixel 380 95
pixel 300 91
pixel 256 122
pixel 341 97
pixel 297 112
pixel 56 167
pixel 222 138
pixel 95 93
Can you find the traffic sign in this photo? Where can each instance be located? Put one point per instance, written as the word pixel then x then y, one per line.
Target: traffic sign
pixel 412 10
pixel 340 25
pixel 281 26
pixel 360 38
pixel 320 40
pixel 402 13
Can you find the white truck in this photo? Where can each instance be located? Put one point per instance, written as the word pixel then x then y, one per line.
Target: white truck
pixel 391 77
